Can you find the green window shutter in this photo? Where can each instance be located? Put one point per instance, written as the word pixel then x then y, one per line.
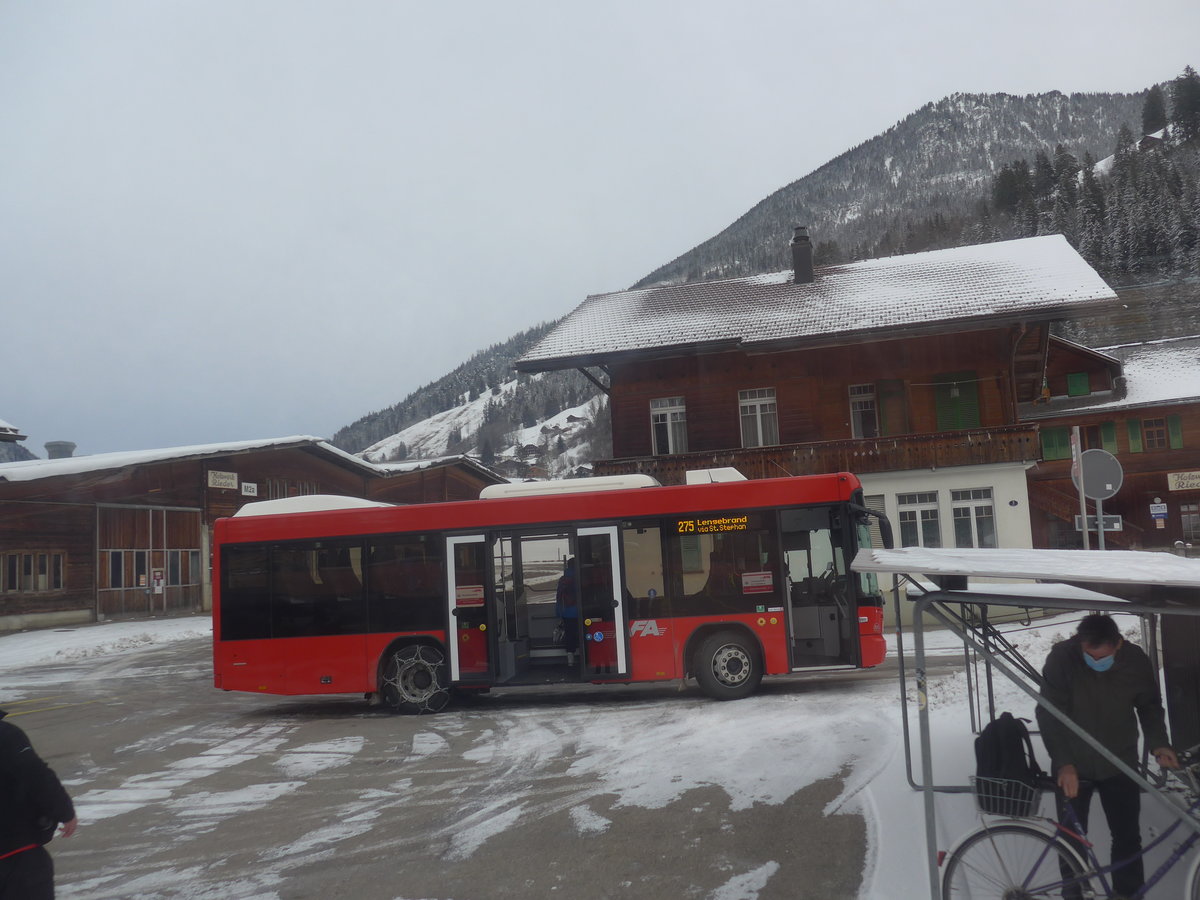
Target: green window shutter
pixel 1175 432
pixel 956 412
pixel 1078 385
pixel 1108 436
pixel 1135 435
pixel 1056 443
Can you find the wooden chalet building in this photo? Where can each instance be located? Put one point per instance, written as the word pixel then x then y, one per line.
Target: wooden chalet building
pixel 1140 402
pixel 127 534
pixel 911 371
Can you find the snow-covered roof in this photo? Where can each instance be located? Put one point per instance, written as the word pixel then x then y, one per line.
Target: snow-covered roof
pixel 1040 277
pixel 34 469
pixel 10 432
pixel 1157 373
pixel 1116 567
pixel 415 465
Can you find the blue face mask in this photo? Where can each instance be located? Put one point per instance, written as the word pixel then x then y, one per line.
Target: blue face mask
pixel 1099 665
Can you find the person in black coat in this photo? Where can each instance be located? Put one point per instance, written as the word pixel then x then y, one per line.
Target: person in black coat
pixel 33 803
pixel 1108 687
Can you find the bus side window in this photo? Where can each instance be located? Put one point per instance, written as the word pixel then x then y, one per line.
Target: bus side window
pixel 245 594
pixel 645 589
pixel 405 584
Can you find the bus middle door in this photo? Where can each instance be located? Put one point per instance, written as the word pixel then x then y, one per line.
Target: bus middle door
pixel 466 598
pixel 603 613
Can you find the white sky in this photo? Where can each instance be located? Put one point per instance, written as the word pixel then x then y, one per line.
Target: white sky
pixel 225 220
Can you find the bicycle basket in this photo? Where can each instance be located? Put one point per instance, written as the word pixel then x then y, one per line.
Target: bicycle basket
pixel 1006 797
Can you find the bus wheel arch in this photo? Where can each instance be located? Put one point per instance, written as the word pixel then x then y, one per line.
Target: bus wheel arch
pixel 726 660
pixel 413 677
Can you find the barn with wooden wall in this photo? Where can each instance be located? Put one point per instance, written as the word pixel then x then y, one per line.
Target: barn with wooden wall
pixel 127 534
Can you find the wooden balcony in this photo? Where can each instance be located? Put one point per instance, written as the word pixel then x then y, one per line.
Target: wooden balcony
pixel 1006 443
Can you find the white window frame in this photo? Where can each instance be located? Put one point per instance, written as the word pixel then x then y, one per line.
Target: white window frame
pixel 671 412
pixel 1189 516
pixel 863 402
pixel 919 510
pixel 971 505
pixel 759 416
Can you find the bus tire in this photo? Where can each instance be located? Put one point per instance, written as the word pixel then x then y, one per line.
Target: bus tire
pixel 414 679
pixel 727 665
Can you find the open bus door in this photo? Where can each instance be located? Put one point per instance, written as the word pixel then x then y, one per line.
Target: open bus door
pixel 602 619
pixel 467 612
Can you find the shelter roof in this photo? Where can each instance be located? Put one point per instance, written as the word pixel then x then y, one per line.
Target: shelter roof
pixel 1124 573
pixel 963 288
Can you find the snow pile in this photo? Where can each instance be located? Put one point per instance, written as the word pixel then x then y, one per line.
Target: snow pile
pixel 34 648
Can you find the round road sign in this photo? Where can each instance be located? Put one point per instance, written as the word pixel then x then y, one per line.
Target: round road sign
pixel 1102 474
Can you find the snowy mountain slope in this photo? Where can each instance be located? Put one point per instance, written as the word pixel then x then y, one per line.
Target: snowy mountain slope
pixel 937 161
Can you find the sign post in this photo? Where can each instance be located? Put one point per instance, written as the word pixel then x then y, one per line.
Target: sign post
pixel 1087 545
pixel 1099 476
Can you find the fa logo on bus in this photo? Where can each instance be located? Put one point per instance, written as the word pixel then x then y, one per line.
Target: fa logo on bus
pixel 646 628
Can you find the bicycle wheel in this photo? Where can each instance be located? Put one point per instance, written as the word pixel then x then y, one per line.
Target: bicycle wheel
pixel 1011 862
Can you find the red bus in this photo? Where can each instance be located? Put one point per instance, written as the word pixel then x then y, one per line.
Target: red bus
pixel 725 582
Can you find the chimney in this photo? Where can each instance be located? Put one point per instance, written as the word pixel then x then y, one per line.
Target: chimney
pixel 60 449
pixel 802 264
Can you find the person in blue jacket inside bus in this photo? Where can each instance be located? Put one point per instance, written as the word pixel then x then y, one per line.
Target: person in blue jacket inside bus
pixel 566 607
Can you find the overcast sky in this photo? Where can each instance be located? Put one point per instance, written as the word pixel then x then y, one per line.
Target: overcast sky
pixel 233 219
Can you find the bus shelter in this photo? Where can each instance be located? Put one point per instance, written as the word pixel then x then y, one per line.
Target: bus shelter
pixel 938 582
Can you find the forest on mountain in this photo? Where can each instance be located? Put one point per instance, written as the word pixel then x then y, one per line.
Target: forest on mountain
pixel 954 172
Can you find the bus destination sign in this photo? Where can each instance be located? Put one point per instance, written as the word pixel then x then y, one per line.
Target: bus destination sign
pixel 714 525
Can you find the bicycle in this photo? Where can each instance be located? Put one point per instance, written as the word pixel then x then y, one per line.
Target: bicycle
pixel 1023 856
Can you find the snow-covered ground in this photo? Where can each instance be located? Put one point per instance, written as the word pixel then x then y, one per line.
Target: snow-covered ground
pixel 850 730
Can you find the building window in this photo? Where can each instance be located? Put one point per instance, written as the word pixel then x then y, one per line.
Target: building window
pixel 1154 434
pixel 956 401
pixel 864 414
pixel 1098 437
pixel 116 569
pixel 668 425
pixel 1056 443
pixel 919 522
pixel 760 422
pixel 974 518
pixel 32 572
pixel 1078 384
pixel 1190 514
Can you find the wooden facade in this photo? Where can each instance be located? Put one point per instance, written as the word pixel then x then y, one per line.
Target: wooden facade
pixel 1159 452
pixel 133 539
pixel 924 386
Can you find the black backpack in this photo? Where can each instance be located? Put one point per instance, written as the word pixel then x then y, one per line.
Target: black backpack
pixel 1006 770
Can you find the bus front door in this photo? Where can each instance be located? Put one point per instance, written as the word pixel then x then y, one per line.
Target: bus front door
pixel 466 596
pixel 602 619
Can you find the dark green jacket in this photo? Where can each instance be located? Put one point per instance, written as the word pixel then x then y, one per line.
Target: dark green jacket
pixel 1107 705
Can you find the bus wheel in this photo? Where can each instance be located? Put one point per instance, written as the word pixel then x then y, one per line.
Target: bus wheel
pixel 726 666
pixel 414 680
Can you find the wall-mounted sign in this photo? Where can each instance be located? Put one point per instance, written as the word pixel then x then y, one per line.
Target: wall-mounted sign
pixel 157 577
pixel 223 480
pixel 1158 510
pixel 249 489
pixel 1183 481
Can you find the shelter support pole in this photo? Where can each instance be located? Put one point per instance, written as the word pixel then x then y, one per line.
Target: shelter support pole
pixel 927 602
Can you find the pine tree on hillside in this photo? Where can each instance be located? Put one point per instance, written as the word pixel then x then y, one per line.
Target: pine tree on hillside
pixel 1185 106
pixel 1154 111
pixel 1044 177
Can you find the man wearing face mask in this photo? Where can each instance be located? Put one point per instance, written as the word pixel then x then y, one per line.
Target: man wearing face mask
pixel 1106 685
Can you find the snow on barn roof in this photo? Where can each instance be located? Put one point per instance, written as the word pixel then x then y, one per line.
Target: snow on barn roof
pixel 10 432
pixel 1041 277
pixel 1157 373
pixel 34 469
